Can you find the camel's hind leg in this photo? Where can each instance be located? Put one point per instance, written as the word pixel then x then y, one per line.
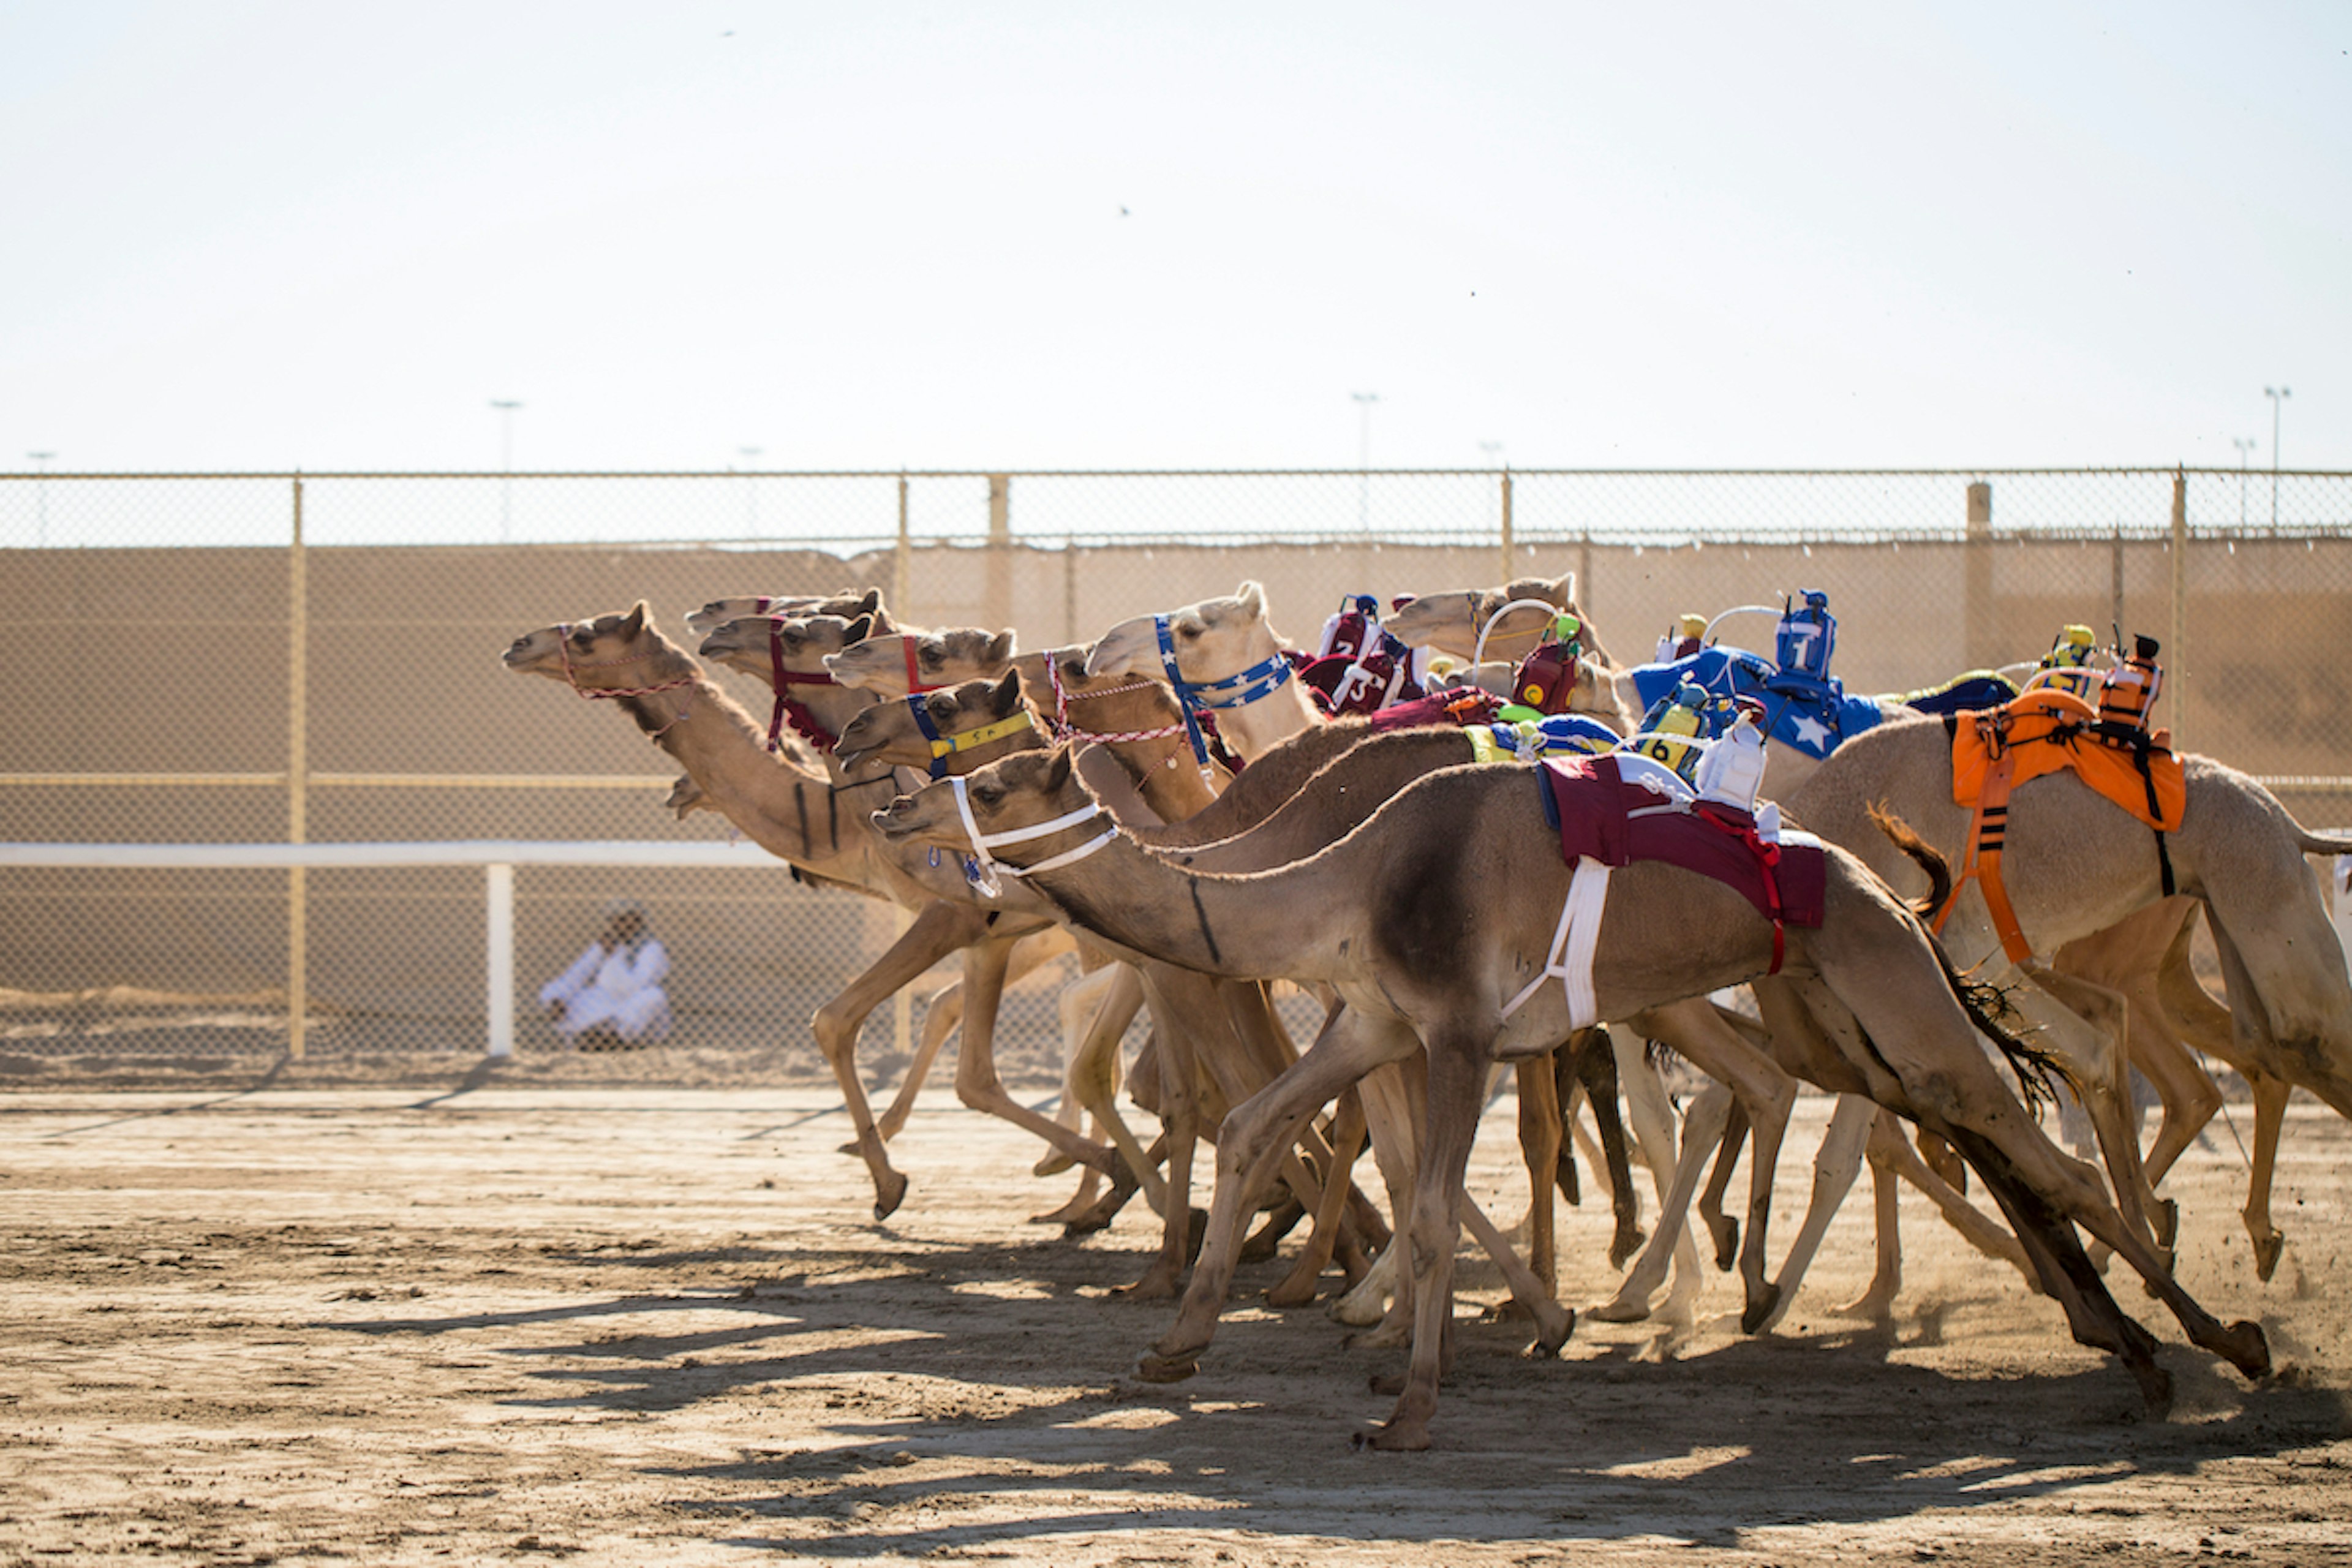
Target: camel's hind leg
pixel 977 1085
pixel 2270 1096
pixel 1835 1166
pixel 1539 1141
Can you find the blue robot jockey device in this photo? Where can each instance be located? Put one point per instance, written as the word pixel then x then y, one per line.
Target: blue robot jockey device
pixel 1805 706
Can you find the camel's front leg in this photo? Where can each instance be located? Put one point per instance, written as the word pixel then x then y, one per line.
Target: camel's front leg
pixel 1249 1146
pixel 1457 1080
pixel 938 930
pixel 2103 1066
pixel 977 1085
pixel 1702 1127
pixel 1835 1166
pixel 1298 1287
pixel 1539 1140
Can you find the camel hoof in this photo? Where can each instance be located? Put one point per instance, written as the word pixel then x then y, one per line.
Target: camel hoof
pixel 1551 1334
pixel 850 1148
pixel 1758 1314
pixel 1098 1215
pixel 2164 1218
pixel 1620 1309
pixel 1295 1290
pixel 1158 1368
pixel 1625 1245
pixel 1155 1285
pixel 2247 1348
pixel 1392 1438
pixel 1052 1164
pixel 1069 1214
pixel 1726 1231
pixel 2268 1249
pixel 888 1194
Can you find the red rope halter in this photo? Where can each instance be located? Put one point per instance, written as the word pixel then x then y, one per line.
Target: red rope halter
pixel 601 693
pixel 1066 731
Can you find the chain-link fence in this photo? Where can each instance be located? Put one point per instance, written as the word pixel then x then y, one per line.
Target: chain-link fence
pixel 268 658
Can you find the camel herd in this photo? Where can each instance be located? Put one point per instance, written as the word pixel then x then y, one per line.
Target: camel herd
pixel 1169 802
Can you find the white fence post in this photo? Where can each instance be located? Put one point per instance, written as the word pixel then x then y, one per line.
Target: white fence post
pixel 499 957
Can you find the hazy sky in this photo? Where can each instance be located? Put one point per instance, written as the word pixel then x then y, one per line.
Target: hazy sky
pixel 1019 234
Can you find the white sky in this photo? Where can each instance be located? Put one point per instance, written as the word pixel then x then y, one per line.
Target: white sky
pixel 274 233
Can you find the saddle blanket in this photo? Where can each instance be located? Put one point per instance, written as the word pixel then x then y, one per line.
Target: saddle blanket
pixel 2050 731
pixel 1814 715
pixel 1618 809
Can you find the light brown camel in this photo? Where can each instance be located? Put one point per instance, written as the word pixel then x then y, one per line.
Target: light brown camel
pixel 963 727
pixel 849 604
pixel 1439 908
pixel 2075 865
pixel 892 665
pixel 801 817
pixel 2080 996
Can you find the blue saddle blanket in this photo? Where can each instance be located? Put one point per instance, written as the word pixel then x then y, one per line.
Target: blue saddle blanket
pixel 1815 716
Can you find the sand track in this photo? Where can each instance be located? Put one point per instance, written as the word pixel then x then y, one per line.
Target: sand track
pixel 651 1325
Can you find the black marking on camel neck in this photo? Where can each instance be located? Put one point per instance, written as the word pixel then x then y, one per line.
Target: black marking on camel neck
pixel 1192 885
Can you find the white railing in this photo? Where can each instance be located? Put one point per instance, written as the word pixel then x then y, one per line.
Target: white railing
pixel 496 857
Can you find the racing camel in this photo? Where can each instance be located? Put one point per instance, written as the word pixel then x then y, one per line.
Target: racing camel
pixel 1434 912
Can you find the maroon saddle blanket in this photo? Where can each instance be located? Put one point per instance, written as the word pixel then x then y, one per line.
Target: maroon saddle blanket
pixel 1602 814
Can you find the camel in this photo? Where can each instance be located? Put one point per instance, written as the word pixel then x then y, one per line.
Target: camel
pixel 2076 866
pixel 895 664
pixel 1427 917
pixel 849 604
pixel 2082 992
pixel 783 807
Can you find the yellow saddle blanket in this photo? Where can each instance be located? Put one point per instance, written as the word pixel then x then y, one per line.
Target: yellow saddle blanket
pixel 2049 730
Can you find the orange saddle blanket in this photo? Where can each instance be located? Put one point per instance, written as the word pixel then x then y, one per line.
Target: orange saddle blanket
pixel 2049 730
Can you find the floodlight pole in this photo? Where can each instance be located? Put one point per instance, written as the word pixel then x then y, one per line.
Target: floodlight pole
pixel 2278 394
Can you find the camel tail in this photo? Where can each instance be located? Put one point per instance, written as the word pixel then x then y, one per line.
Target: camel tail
pixel 1987 1008
pixel 2317 843
pixel 1923 855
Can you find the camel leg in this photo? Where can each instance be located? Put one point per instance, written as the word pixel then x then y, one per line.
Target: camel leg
pixel 939 929
pixel 1595 1055
pixel 1347 1144
pixel 2102 1063
pixel 1077 1009
pixel 1835 1166
pixel 1553 1322
pixel 2270 1096
pixel 1876 1301
pixel 1092 1082
pixel 2189 1097
pixel 1651 1119
pixel 1721 1228
pixel 1539 1140
pixel 1703 1126
pixel 1382 1301
pixel 977 1085
pixel 1457 1078
pixel 1180 1119
pixel 1249 1146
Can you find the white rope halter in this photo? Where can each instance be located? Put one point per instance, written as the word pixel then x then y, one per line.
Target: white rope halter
pixel 984 867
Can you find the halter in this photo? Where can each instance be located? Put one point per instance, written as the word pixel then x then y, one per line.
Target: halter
pixel 916 685
pixel 946 746
pixel 604 694
pixel 981 867
pixel 1260 681
pixel 788 707
pixel 1064 731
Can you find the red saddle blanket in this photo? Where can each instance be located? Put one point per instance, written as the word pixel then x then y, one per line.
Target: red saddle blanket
pixel 1602 814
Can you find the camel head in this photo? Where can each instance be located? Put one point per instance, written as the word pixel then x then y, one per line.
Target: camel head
pixel 980 714
pixel 735 607
pixel 609 652
pixel 753 643
pixel 1212 639
pixel 1021 791
pixel 1450 622
pixel 880 660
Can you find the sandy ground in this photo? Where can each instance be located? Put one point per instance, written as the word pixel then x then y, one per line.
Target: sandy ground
pixel 515 1322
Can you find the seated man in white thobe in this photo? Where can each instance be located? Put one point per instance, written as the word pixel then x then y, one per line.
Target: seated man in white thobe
pixel 612 992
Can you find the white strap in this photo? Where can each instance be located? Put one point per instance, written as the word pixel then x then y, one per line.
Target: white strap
pixel 982 843
pixel 1065 858
pixel 1573 943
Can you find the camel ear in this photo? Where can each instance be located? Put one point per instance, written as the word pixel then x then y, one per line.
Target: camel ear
pixel 1007 697
pixel 636 621
pixel 1057 769
pixel 1000 647
pixel 859 630
pixel 883 625
pixel 871 604
pixel 1253 598
pixel 1563 588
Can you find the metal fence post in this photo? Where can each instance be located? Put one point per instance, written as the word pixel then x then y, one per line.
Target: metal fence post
pixel 2177 650
pixel 1981 640
pixel 996 593
pixel 902 562
pixel 1507 574
pixel 497 956
pixel 298 784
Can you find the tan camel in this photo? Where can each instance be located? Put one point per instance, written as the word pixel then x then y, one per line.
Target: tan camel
pixel 2075 866
pixel 849 604
pixel 1438 908
pixel 894 664
pixel 801 817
